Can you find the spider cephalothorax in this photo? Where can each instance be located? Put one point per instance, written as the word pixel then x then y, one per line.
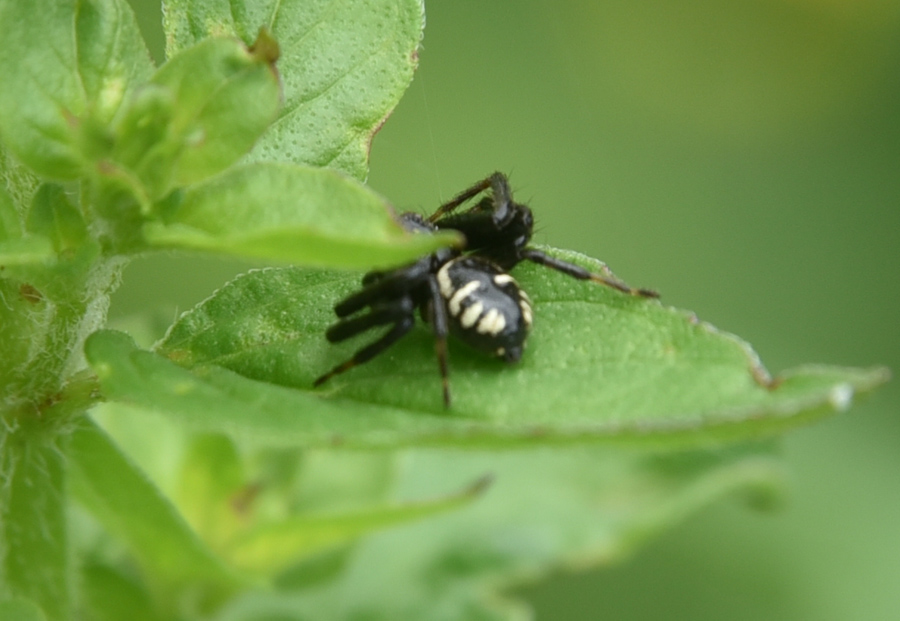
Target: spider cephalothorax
pixel 467 292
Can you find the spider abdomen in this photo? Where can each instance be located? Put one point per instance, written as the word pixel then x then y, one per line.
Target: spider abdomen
pixel 486 308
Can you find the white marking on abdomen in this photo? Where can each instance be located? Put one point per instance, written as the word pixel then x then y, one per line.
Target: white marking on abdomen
pixel 444 282
pixel 471 315
pixel 526 312
pixel 492 323
pixel 461 294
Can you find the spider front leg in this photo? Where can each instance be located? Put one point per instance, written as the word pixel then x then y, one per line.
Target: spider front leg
pixel 436 315
pixel 576 271
pixel 500 201
pixel 464 196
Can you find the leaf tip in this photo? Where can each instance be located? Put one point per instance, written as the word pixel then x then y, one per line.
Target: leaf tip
pixel 265 48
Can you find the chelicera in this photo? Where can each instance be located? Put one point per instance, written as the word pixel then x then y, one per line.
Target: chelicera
pixel 466 292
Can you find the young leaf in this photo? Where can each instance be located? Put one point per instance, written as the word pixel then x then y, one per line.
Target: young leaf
pixel 198 114
pixel 600 365
pixel 130 507
pixel 344 64
pixel 73 63
pixel 283 212
pixel 225 95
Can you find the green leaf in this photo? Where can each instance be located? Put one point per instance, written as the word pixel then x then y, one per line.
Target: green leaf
pixel 34 545
pixel 133 510
pixel 21 610
pixel 143 155
pixel 73 63
pixel 53 287
pixel 283 212
pixel 15 247
pixel 210 483
pixel 29 250
pixel 112 57
pixel 25 321
pixel 600 365
pixel 273 547
pixel 225 96
pixel 42 331
pixel 548 509
pixel 10 224
pixel 38 65
pixel 344 65
pixel 199 113
pixel 53 216
pixel 16 180
pixel 110 595
pixel 333 480
pixel 286 508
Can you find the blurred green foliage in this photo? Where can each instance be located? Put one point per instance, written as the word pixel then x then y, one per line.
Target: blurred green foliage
pixel 742 158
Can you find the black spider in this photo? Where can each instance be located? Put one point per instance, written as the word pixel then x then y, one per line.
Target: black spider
pixel 467 292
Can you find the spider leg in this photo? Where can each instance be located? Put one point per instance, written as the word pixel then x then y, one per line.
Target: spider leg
pixel 401 314
pixel 383 286
pixel 461 198
pixel 503 204
pixel 495 221
pixel 403 325
pixel 437 317
pixel 379 315
pixel 370 277
pixel 576 271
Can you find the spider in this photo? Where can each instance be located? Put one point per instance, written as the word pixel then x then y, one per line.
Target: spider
pixel 466 292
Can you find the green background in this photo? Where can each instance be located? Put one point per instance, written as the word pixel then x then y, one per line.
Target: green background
pixel 743 158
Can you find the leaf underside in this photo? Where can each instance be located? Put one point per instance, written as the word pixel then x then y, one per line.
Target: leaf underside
pixel 284 212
